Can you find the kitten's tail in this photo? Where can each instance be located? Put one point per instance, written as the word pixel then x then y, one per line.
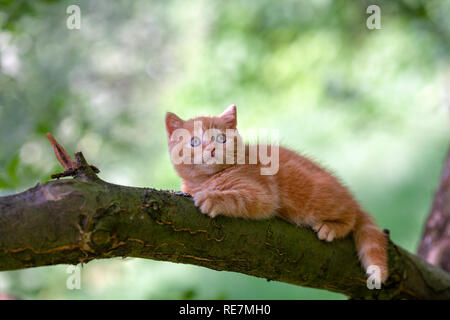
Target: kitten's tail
pixel 371 244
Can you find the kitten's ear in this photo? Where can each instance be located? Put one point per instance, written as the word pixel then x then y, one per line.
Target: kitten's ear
pixel 229 115
pixel 173 122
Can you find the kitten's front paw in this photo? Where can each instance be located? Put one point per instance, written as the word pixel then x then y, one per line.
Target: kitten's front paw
pixel 205 203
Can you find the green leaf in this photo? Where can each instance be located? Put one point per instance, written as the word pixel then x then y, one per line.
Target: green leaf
pixel 11 169
pixel 4 184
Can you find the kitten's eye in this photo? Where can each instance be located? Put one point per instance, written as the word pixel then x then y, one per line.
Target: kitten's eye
pixel 195 142
pixel 221 138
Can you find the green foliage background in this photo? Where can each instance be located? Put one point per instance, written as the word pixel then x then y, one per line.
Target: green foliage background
pixel 372 105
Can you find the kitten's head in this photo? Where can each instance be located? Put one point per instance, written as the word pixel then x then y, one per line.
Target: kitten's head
pixel 203 145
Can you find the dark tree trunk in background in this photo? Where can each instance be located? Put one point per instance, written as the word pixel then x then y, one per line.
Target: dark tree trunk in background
pixel 435 245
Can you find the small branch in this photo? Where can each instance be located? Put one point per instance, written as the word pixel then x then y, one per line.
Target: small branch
pixel 71 169
pixel 61 154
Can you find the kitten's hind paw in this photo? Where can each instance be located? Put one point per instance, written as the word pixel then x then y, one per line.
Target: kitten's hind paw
pixel 324 232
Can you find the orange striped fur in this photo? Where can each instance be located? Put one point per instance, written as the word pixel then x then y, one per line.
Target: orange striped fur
pixel 300 192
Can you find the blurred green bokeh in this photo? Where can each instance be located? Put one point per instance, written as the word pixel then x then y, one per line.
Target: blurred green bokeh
pixel 371 105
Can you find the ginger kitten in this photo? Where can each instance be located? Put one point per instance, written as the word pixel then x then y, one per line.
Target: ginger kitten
pixel 223 180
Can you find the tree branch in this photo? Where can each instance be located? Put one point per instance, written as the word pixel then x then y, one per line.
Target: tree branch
pixel 77 220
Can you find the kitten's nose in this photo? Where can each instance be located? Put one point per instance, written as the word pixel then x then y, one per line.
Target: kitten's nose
pixel 213 152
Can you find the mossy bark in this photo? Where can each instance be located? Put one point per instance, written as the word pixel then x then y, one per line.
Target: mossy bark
pixel 76 220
